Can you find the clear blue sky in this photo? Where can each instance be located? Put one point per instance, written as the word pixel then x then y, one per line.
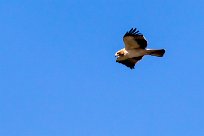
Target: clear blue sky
pixel 58 75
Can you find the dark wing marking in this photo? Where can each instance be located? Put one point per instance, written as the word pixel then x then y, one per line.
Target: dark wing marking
pixel 130 62
pixel 134 39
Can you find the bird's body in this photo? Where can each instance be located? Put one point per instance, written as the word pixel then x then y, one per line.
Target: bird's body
pixel 131 53
pixel 135 49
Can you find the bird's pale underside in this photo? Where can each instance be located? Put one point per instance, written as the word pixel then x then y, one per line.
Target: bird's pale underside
pixel 135 49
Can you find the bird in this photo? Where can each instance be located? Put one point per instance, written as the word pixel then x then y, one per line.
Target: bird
pixel 135 49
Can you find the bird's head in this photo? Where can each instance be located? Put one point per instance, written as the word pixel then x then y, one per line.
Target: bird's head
pixel 119 53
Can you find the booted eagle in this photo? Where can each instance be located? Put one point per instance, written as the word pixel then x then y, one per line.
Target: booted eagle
pixel 135 49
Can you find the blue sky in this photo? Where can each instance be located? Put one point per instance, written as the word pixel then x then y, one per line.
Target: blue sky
pixel 58 75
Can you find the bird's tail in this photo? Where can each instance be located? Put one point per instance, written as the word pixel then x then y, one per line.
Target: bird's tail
pixel 158 53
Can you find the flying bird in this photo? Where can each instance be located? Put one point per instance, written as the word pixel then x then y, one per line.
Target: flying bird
pixel 135 49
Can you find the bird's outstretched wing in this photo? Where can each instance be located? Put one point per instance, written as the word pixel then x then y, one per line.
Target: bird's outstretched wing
pixel 130 62
pixel 133 39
